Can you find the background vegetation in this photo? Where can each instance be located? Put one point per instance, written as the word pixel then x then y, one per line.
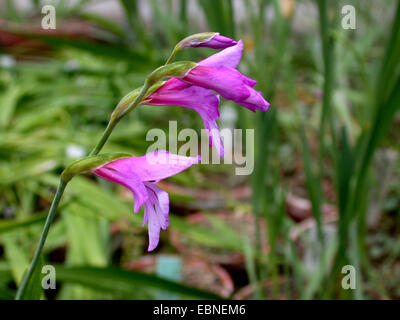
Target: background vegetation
pixel 325 191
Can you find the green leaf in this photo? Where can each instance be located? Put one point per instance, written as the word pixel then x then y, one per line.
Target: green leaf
pixel 6 294
pixel 8 104
pixel 34 288
pixel 313 184
pixel 345 170
pixel 87 236
pixel 204 235
pixel 9 226
pixel 219 15
pixel 98 49
pixel 85 232
pixel 105 23
pixel 16 257
pixel 118 280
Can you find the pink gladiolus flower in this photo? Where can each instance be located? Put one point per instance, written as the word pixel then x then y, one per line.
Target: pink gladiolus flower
pixel 230 84
pixel 139 174
pixel 205 102
pixel 217 72
pixel 229 57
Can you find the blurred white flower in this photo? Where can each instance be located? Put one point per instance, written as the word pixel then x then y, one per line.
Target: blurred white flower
pixel 75 152
pixel 7 61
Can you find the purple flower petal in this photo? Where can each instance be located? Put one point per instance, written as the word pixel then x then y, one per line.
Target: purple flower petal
pixel 160 200
pixel 230 57
pixel 127 179
pixel 216 42
pixel 248 81
pixel 255 101
pixel 228 82
pixel 137 174
pixel 212 130
pixel 153 226
pixel 218 73
pixel 179 93
pixel 153 166
pixel 209 40
pixel 205 102
pixel 156 213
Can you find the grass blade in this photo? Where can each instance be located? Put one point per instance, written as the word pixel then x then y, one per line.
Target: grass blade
pixel 119 280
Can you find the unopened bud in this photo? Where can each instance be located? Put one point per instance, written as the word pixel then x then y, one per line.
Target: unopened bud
pixel 196 40
pixel 125 102
pixel 206 39
pixel 176 69
pixel 129 98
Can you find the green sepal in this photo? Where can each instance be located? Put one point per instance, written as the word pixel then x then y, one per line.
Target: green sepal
pixel 90 163
pixel 176 69
pixel 195 39
pixel 129 98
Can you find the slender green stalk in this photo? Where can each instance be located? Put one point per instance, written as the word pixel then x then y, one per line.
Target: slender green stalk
pixel 328 58
pixel 135 103
pixel 61 187
pixel 183 13
pixel 115 119
pixel 172 56
pixel 43 237
pixel 387 98
pixel 106 134
pixel 264 194
pixel 326 113
pixel 263 124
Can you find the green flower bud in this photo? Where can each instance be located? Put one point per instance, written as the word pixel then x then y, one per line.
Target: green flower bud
pixel 175 69
pixel 195 39
pixel 90 163
pixel 128 99
pixel 125 102
pixel 206 39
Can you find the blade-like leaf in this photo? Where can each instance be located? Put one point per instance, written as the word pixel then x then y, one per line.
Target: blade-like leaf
pixel 23 224
pixel 118 280
pixel 34 288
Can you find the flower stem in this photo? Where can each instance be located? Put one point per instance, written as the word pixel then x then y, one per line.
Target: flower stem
pixel 106 134
pixel 116 118
pixel 49 220
pixel 172 56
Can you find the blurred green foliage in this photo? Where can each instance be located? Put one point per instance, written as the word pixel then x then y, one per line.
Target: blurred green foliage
pixel 334 95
